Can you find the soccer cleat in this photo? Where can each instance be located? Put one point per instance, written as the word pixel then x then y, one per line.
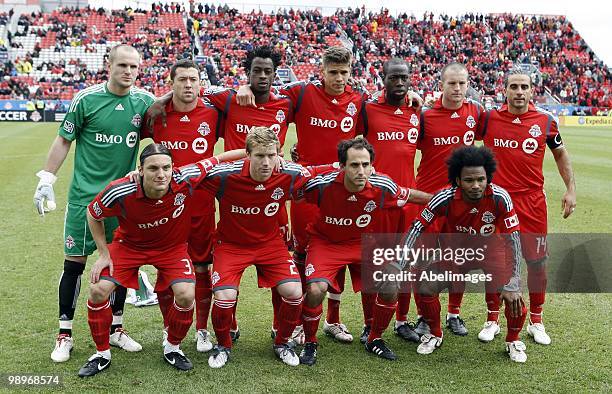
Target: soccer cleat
pixel 308 355
pixel 203 343
pixel 235 334
pixel 429 343
pixel 63 347
pixel 122 340
pixel 286 354
pixel 338 331
pixel 94 365
pixel 219 357
pixel 537 331
pixel 489 331
pixel 457 326
pixel 298 336
pixel 406 332
pixel 516 351
pixel 422 328
pixel 178 360
pixel 380 348
pixel 363 338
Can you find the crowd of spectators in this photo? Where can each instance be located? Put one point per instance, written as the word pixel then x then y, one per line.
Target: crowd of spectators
pixel 488 44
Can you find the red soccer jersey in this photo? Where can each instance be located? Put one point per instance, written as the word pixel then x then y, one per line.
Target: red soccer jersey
pixel 277 113
pixel 393 132
pixel 248 209
pixel 190 136
pixel 146 223
pixel 345 215
pixel 493 214
pixel 442 131
pixel 518 142
pixel 321 120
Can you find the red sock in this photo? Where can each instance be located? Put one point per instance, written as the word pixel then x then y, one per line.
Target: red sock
pixel 290 311
pixel 165 299
pixel 455 297
pixel 100 319
pixel 430 306
pixel 333 308
pixel 493 302
pixel 403 306
pixel 203 299
pixel 311 317
pixel 234 320
pixel 515 324
pixel 277 302
pixel 383 312
pixel 222 311
pixel 179 321
pixel 367 303
pixel 536 282
pixel 417 302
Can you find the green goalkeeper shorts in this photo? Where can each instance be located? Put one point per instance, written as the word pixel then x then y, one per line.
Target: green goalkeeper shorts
pixel 77 237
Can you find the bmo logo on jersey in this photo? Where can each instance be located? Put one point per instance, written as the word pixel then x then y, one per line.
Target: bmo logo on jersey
pixel 270 209
pixel 131 139
pixel 346 124
pixel 529 145
pixel 160 222
pixel 412 135
pixel 361 221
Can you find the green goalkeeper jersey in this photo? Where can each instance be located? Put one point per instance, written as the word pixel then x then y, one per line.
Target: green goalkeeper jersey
pixel 106 128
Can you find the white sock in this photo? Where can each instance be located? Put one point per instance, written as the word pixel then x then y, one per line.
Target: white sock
pixel 104 353
pixel 169 348
pixel 451 315
pixel 117 320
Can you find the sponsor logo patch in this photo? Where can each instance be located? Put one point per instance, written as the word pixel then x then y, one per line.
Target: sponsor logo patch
pixel 277 194
pixel 427 215
pixel 136 120
pixel 68 127
pixel 70 242
pixel 179 199
pixel 470 122
pixel 488 217
pixel 280 116
pixel 351 109
pixel 370 206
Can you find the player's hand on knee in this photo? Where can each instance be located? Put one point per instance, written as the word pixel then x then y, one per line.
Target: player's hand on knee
pixel 44 196
pixel 514 300
pixel 99 265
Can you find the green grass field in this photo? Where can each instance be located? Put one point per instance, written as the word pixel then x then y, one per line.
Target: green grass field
pixel 577 361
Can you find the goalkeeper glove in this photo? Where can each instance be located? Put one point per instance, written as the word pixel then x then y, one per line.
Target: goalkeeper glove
pixel 44 192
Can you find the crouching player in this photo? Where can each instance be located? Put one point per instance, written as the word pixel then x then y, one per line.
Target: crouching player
pixel 484 213
pixel 154 223
pixel 350 203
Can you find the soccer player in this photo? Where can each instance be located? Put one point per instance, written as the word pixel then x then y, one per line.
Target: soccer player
pixel 270 110
pixel 191 131
pixel 250 193
pixel 392 127
pixel 450 123
pixel 325 113
pixel 484 213
pixel 350 202
pixel 154 225
pixel 105 121
pixel 517 133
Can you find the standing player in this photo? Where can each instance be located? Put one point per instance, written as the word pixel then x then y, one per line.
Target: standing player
pixel 105 121
pixel 154 226
pixel 325 113
pixel 350 202
pixel 517 133
pixel 449 124
pixel 392 127
pixel 250 194
pixel 270 110
pixel 191 131
pixel 483 212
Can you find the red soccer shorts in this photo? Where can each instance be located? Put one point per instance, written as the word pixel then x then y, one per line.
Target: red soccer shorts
pixel 533 218
pixel 272 260
pixel 325 260
pixel 173 265
pixel 398 220
pixel 302 213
